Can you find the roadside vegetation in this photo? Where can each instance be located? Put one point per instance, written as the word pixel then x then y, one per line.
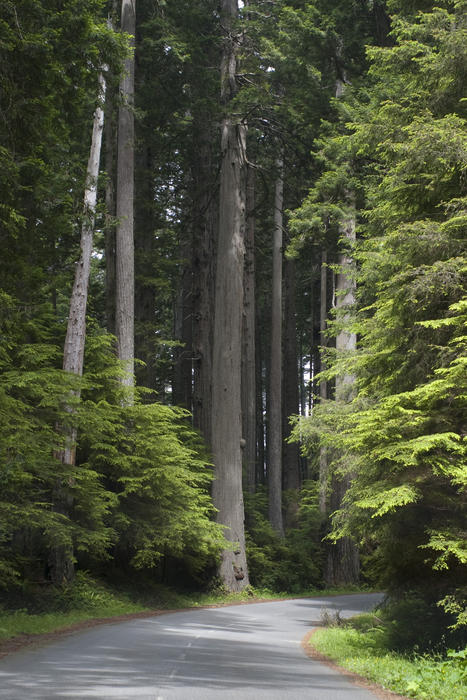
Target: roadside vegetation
pixel 375 646
pixel 42 610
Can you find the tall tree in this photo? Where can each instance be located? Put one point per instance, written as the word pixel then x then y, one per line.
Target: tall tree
pixel 124 240
pixel 249 339
pixel 290 380
pixel 275 374
pixel 226 378
pixel 343 565
pixel 61 565
pixel 323 385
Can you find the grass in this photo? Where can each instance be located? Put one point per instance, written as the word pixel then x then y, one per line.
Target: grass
pixel 50 611
pixel 359 645
pixel 45 610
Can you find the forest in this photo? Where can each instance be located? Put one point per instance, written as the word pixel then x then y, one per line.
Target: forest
pixel 233 308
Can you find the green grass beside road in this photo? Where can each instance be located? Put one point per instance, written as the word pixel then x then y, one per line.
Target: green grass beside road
pixel 360 646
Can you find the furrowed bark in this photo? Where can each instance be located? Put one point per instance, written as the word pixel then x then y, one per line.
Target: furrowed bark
pixel 275 379
pixel 124 238
pixel 249 342
pixel 226 397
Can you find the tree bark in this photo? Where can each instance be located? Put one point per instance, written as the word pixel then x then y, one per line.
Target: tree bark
pixel 323 386
pixel 275 378
pixel 249 341
pixel 205 225
pixel 110 217
pixel 124 239
pixel 60 560
pixel 145 348
pixel 343 559
pixel 260 395
pixel 76 329
pixel 226 379
pixel 110 134
pixel 291 399
pixel 183 376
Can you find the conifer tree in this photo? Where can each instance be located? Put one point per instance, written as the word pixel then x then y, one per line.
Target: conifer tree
pixel 124 241
pixel 226 377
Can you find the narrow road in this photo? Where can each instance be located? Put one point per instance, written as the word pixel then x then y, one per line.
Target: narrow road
pixel 242 652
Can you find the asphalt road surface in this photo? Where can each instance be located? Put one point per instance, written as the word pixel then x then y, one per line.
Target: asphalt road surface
pixel 242 652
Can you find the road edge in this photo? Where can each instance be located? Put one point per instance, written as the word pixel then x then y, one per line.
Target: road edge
pixel 354 678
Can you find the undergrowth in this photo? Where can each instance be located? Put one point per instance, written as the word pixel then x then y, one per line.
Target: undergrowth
pixel 361 645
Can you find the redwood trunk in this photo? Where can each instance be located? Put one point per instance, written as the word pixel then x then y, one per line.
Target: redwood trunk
pixel 275 378
pixel 226 395
pixel 249 342
pixel 205 228
pixel 291 397
pixel 124 240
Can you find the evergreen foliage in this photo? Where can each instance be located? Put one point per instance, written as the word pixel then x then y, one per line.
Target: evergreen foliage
pixel 403 438
pixel 140 487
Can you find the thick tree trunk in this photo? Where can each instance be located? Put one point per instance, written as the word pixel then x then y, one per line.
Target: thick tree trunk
pixel 249 341
pixel 124 240
pixel 275 378
pixel 205 225
pixel 61 566
pixel 226 379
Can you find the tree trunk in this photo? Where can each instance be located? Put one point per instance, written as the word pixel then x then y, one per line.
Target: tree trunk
pixel 205 224
pixel 76 330
pixel 291 379
pixel 145 348
pixel 124 240
pixel 249 342
pixel 226 379
pixel 61 566
pixel 110 138
pixel 323 386
pixel 343 558
pixel 275 378
pixel 260 394
pixel 183 375
pixel 110 217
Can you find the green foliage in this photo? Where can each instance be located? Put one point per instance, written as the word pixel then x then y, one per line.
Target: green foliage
pixel 50 54
pixel 402 439
pixel 293 563
pixel 140 487
pixel 361 646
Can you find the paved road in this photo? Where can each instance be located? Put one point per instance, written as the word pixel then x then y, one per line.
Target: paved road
pixel 243 652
